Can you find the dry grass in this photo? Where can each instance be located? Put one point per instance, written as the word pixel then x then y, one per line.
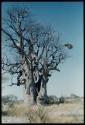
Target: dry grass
pixel 38 116
pixel 63 113
pixel 67 113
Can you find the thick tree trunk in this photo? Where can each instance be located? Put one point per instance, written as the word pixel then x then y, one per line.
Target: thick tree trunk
pixel 31 94
pixel 27 98
pixel 31 97
pixel 42 98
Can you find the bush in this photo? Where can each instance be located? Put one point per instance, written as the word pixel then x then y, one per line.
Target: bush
pixel 55 100
pixel 74 96
pixel 52 100
pixel 7 103
pixel 9 98
pixel 38 116
pixel 62 99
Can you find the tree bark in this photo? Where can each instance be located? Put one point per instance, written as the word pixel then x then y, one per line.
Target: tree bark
pixel 31 96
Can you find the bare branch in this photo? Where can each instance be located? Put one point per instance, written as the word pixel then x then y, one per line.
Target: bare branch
pixel 8 34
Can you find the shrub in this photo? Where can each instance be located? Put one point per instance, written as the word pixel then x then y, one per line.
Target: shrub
pixel 38 116
pixel 62 99
pixel 74 96
pixel 9 99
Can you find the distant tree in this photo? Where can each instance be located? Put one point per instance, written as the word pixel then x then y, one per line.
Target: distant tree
pixel 9 100
pixel 74 95
pixel 35 50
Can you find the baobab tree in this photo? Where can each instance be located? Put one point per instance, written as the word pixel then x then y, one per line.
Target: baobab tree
pixel 34 51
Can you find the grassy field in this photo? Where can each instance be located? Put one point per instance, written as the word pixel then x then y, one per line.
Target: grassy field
pixel 72 111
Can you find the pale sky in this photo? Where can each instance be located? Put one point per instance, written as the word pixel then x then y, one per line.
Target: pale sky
pixel 67 19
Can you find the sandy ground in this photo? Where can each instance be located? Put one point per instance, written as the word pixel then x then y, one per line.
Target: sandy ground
pixel 10 119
